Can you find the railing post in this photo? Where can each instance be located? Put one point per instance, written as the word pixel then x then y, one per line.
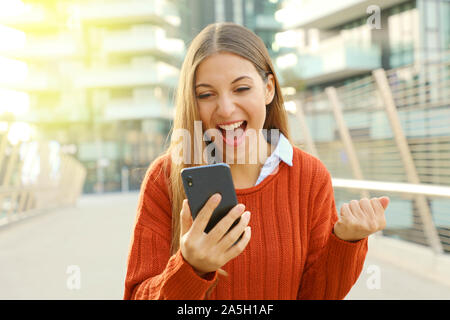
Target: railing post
pixel 407 159
pixel 26 201
pixel 10 165
pixel 80 176
pixel 3 145
pixel 66 178
pixel 43 180
pixel 345 136
pixel 309 142
pixel 16 186
pixel 7 177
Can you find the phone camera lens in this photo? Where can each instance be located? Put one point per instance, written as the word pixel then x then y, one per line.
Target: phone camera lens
pixel 189 181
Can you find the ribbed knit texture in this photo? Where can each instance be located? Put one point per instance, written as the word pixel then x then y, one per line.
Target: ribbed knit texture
pixel 292 254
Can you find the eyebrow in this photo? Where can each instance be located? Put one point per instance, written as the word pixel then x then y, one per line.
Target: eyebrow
pixel 210 86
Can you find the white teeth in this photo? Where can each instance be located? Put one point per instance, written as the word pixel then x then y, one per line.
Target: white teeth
pixel 231 126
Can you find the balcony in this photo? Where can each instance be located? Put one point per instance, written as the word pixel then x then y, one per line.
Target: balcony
pixel 18 76
pixel 41 114
pixel 131 75
pixel 326 14
pixel 144 39
pixel 132 108
pixel 335 58
pixel 44 48
pixel 39 81
pixel 133 11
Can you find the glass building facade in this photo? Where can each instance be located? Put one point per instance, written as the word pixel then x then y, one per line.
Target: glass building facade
pixel 410 31
pixel 336 45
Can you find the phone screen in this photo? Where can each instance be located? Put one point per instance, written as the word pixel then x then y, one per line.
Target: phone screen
pixel 201 182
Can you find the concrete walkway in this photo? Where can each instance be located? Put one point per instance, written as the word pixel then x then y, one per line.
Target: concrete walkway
pixel 80 253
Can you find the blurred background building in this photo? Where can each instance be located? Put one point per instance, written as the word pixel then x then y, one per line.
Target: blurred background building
pixel 98 78
pixel 342 65
pixel 256 15
pixel 335 44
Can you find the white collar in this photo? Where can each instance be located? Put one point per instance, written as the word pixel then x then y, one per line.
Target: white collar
pixel 283 152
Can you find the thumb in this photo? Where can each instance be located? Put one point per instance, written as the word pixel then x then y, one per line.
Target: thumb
pixel 384 201
pixel 186 218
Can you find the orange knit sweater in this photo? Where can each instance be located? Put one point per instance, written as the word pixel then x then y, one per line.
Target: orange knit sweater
pixel 292 253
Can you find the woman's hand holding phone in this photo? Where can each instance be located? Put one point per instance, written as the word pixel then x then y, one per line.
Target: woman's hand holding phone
pixel 207 252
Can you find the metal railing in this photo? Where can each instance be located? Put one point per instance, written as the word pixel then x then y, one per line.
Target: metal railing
pixel 403 222
pixel 388 134
pixel 36 177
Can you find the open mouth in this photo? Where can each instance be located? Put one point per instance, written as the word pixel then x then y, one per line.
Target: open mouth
pixel 233 133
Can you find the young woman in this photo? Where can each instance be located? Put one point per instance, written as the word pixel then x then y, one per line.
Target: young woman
pixel 294 245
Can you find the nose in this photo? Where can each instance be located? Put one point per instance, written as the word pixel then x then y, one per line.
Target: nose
pixel 225 107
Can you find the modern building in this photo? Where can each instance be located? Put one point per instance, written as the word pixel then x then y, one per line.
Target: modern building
pixel 101 76
pixel 257 15
pixel 328 43
pixel 326 57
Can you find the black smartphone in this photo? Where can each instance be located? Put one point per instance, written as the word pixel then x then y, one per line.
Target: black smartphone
pixel 201 182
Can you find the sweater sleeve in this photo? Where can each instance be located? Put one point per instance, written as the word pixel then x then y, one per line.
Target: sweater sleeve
pixel 332 265
pixel 152 273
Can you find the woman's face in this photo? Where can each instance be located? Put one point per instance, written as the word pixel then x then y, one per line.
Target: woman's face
pixel 232 98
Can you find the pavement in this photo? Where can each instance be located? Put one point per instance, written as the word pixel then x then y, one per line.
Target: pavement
pixel 80 253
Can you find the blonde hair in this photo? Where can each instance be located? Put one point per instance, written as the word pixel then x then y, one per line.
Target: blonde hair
pixel 214 38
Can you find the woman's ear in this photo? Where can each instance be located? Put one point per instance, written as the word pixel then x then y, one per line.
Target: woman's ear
pixel 269 89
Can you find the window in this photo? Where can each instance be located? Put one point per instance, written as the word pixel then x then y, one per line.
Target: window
pixel 404 39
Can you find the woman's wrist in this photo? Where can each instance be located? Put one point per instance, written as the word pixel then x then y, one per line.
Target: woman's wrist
pixel 344 238
pixel 201 274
